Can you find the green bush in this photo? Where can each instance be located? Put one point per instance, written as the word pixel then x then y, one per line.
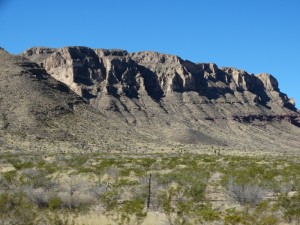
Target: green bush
pixel 290 206
pixel 16 209
pixel 208 213
pixel 10 177
pixel 268 220
pixel 233 216
pixel 110 199
pixel 55 202
pixel 134 207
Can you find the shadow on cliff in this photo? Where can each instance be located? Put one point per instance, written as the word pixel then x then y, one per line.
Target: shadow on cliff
pixel 151 83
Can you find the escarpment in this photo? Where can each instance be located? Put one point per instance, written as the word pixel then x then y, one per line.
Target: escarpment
pixel 159 84
pixel 77 99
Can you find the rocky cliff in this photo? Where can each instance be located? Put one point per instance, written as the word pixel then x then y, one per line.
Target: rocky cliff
pixel 112 100
pixel 138 85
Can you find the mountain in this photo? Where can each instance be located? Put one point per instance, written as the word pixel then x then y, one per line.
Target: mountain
pixel 83 99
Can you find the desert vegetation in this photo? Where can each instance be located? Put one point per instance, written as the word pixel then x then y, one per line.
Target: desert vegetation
pixel 185 188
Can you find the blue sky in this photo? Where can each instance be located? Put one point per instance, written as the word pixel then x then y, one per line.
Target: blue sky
pixel 257 36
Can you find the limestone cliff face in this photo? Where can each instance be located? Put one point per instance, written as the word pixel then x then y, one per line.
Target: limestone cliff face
pixel 144 84
pixel 138 102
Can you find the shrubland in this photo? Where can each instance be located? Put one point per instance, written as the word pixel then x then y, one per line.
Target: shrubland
pixel 186 188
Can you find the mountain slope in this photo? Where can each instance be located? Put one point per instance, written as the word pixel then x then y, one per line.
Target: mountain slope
pixel 38 113
pixel 142 101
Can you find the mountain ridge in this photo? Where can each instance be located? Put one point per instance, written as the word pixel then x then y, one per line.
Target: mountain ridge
pixel 144 102
pixel 81 68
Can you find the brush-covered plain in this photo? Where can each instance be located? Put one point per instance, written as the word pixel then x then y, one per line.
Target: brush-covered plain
pixel 185 188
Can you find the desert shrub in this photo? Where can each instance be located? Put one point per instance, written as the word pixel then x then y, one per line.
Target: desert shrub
pixel 208 159
pixel 245 193
pixel 24 165
pixel 290 206
pixel 76 201
pixel 279 175
pixel 135 206
pixel 267 220
pixel 171 162
pixel 40 163
pixel 51 168
pixel 58 219
pixel 75 193
pixel 97 190
pixel 146 162
pixel 112 172
pixel 4 185
pixel 37 178
pixel 19 164
pixel 197 190
pixel 232 216
pixel 110 199
pixel 166 203
pixel 78 160
pixel 125 182
pixel 104 164
pixel 10 181
pixel 291 173
pixel 284 185
pixel 55 202
pixel 137 171
pixel 175 200
pixel 194 181
pixel 16 209
pixel 182 205
pixel 38 196
pixel 79 163
pixel 208 213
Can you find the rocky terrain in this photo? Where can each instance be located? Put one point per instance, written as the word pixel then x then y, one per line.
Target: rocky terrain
pixel 95 136
pixel 83 99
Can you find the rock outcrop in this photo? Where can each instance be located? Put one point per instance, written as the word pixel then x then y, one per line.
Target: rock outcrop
pixel 149 81
pixel 115 101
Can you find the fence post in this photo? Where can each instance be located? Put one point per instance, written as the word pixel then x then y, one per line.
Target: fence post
pixel 149 193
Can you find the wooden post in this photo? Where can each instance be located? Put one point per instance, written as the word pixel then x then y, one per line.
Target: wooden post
pixel 149 193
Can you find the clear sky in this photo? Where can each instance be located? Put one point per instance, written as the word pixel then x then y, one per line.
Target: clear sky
pixel 254 35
